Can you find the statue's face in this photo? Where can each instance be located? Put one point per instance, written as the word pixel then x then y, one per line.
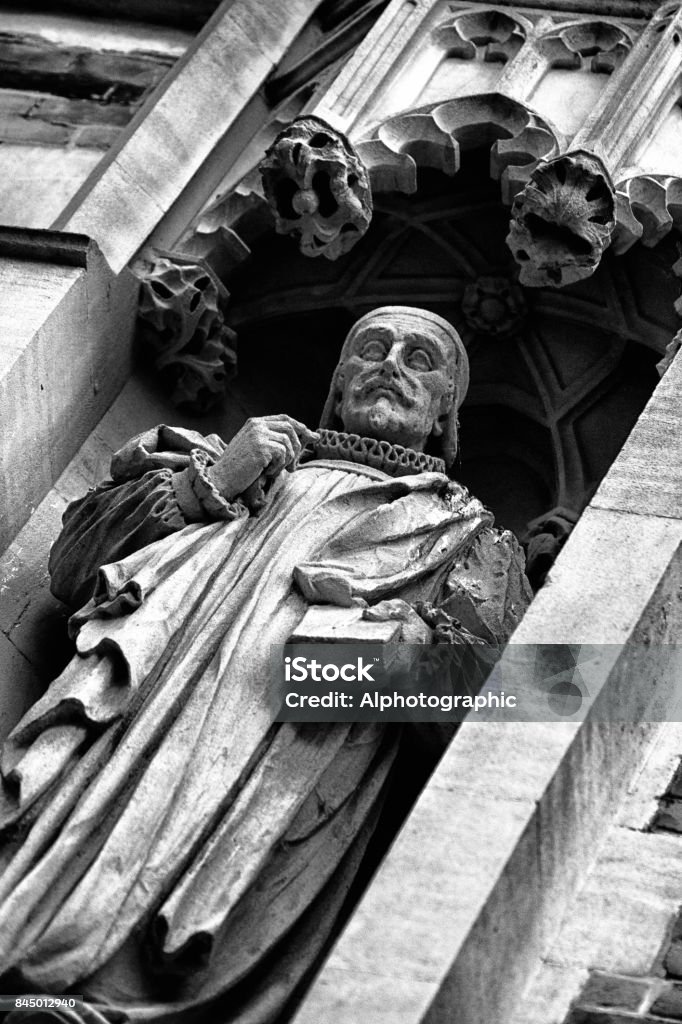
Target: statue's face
pixel 397 383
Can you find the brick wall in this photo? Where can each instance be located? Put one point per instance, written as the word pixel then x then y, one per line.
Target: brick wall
pixel 618 998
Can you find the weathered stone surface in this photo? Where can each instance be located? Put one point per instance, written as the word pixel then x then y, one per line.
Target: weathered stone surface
pixel 62 360
pixel 23 129
pixel 611 991
pixel 242 794
pixel 582 1016
pixel 647 476
pixel 317 188
pixel 562 221
pixel 553 989
pixel 127 199
pixel 660 767
pixel 60 120
pixel 36 182
pixel 675 787
pixel 35 63
pixel 491 909
pixel 182 321
pixel 673 959
pixel 669 817
pixel 185 13
pixel 435 138
pixel 95 136
pixel 626 907
pixel 67 111
pixel 669 1004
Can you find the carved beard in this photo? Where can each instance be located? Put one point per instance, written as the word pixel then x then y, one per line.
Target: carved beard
pixel 381 417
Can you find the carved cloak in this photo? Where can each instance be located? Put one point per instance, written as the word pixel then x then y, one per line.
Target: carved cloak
pixel 176 846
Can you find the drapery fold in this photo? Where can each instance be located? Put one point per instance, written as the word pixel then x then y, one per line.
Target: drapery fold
pixel 170 812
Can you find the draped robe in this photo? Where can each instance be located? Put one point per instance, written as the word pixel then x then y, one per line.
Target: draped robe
pixel 168 850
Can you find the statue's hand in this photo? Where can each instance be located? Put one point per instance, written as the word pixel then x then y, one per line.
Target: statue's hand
pixel 414 629
pixel 264 446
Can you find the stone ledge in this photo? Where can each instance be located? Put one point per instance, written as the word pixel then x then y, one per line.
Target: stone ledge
pixel 647 475
pixel 37 244
pixel 183 123
pixel 67 327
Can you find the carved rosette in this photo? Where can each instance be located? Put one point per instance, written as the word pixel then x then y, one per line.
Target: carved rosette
pixel 494 306
pixel 181 320
pixel 562 221
pixel 317 188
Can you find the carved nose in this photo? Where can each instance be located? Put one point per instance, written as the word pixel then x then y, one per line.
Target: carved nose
pixel 390 363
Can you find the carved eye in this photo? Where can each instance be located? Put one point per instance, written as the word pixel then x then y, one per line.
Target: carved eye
pixel 374 351
pixel 419 359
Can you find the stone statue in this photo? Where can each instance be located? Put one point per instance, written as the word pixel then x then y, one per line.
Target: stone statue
pixel 168 850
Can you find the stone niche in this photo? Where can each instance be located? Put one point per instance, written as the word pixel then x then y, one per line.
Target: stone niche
pixel 558 377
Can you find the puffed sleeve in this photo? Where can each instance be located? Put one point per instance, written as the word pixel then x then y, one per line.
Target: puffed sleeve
pixel 109 523
pixel 156 489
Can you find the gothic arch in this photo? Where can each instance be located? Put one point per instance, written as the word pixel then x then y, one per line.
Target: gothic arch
pixel 433 137
pixel 581 371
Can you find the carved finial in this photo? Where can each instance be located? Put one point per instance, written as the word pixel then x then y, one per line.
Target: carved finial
pixel 671 350
pixel 181 320
pixel 317 188
pixel 494 306
pixel 562 221
pixel 544 539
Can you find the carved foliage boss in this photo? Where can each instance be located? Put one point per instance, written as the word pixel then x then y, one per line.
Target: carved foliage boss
pixel 317 188
pixel 181 320
pixel 562 221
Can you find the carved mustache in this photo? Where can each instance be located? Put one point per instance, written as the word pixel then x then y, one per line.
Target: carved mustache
pixel 378 382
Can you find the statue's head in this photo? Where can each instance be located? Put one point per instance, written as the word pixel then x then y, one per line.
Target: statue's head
pixel 402 375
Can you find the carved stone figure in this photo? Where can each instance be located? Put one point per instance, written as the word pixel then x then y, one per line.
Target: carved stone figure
pixel 317 188
pixel 168 850
pixel 562 221
pixel 181 315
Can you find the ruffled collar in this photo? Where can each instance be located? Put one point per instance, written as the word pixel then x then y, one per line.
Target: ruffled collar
pixel 392 459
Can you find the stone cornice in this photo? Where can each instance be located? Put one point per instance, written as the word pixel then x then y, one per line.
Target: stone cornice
pixel 172 137
pixel 599 8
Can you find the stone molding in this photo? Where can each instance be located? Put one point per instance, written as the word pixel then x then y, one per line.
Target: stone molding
pixel 528 39
pixel 648 207
pixel 433 137
pixel 141 178
pixel 67 326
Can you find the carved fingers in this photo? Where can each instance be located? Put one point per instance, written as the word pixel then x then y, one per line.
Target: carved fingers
pixel 263 447
pixel 284 438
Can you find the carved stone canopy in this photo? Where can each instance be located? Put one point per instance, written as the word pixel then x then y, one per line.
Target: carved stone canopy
pixel 562 221
pixel 317 188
